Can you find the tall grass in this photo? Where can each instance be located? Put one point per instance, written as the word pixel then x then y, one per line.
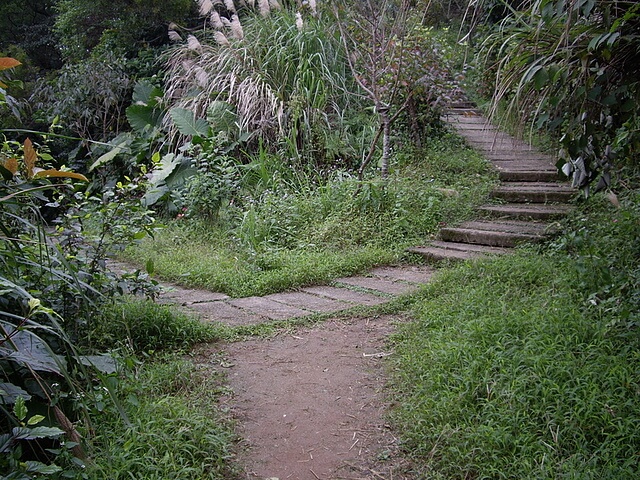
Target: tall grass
pixel 527 366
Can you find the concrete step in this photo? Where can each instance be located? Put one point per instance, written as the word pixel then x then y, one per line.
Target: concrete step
pixel 496 233
pixel 438 251
pixel 534 192
pixel 525 211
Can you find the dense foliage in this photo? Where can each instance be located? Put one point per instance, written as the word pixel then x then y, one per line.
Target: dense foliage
pixel 572 69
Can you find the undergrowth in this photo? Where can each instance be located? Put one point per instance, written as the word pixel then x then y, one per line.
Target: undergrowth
pixel 527 366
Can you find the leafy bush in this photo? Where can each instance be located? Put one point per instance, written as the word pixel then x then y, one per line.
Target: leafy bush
pixel 120 26
pixel 571 68
pixel 88 98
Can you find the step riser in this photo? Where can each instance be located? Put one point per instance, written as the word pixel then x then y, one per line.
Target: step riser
pixel 532 197
pixel 500 214
pixel 493 239
pixel 528 176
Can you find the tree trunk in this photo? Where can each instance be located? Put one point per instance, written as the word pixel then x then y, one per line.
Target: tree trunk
pixel 386 144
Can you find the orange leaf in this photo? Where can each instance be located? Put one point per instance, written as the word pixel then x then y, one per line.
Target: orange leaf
pixel 8 62
pixel 59 174
pixel 30 157
pixel 11 164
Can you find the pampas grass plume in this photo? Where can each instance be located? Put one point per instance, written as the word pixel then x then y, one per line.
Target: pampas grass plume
pixel 230 5
pixel 263 5
pixel 299 22
pixel 221 39
pixel 215 21
pixel 236 28
pixel 205 7
pixel 193 43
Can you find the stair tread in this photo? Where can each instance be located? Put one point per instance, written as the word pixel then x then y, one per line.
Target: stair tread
pixel 505 226
pixel 534 186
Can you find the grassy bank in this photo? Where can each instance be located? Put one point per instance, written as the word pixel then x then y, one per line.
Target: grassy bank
pixel 528 366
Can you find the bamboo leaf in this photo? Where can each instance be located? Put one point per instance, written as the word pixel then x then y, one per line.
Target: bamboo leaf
pixel 8 62
pixel 30 157
pixel 58 174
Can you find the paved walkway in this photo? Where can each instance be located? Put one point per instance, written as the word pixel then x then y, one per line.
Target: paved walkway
pixel 378 286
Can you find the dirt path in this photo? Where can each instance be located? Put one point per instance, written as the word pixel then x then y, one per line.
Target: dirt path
pixel 310 404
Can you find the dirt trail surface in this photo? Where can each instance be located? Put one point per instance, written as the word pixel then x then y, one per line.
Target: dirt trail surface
pixel 310 404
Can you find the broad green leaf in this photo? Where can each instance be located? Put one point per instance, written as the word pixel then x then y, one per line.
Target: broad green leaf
pixel 103 363
pixel 6 441
pixel 36 419
pixel 10 393
pixel 41 468
pixel 20 409
pixel 222 117
pixel 29 350
pixel 188 124
pixel 107 157
pixel 141 116
pixel 24 433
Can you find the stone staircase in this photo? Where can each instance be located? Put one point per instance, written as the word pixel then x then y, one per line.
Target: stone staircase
pixel 529 198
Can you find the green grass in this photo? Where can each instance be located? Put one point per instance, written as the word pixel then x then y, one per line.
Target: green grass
pixel 281 239
pixel 146 327
pixel 527 366
pixel 176 430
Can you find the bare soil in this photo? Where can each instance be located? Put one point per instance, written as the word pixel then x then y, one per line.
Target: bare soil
pixel 309 404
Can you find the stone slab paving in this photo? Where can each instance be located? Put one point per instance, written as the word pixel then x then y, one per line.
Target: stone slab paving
pixel 223 312
pixel 188 296
pixel 344 294
pixel 378 284
pixel 308 301
pixel 411 274
pixel 268 308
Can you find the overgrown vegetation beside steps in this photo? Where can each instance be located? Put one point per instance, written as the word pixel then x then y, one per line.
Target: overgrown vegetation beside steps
pixel 526 366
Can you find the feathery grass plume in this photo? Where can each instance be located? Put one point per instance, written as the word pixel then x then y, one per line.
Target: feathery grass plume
pixel 229 5
pixel 299 22
pixel 193 43
pixel 263 6
pixel 275 76
pixel 221 39
pixel 225 21
pixel 215 21
pixel 205 7
pixel 173 35
pixel 313 7
pixel 275 5
pixel 251 3
pixel 201 76
pixel 236 28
